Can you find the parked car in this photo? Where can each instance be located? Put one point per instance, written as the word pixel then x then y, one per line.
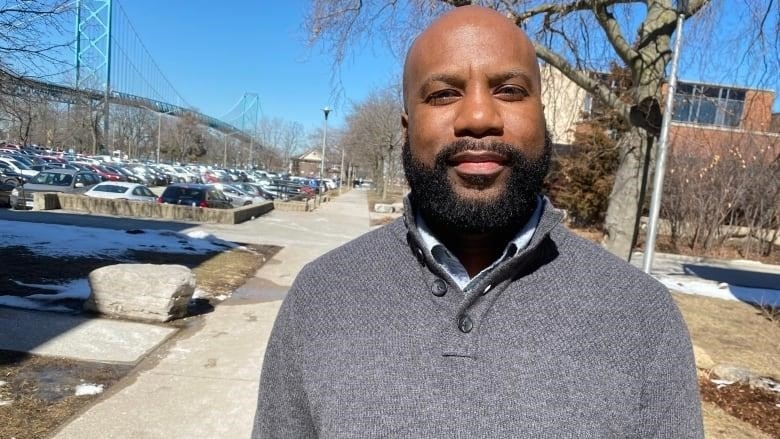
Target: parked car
pixel 237 196
pixel 19 167
pixel 253 190
pixel 129 176
pixel 121 190
pixel 196 195
pixel 9 176
pixel 53 180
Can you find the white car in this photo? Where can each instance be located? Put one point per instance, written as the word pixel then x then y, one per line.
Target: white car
pixel 121 190
pixel 19 167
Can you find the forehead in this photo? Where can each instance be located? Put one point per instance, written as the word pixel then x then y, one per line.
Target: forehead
pixel 468 47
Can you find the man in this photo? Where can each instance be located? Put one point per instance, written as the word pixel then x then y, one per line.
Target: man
pixel 478 314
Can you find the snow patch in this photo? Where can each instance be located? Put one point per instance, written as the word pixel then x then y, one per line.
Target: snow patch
pixel 89 389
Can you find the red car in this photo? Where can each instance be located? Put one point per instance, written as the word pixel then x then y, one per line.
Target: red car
pixel 105 174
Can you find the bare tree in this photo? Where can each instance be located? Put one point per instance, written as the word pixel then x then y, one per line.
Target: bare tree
pixel 31 36
pixel 20 112
pixel 578 37
pixel 290 142
pixel 132 130
pixel 187 141
pixel 719 194
pixel 374 135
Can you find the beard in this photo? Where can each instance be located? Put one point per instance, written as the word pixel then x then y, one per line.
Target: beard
pixel 435 198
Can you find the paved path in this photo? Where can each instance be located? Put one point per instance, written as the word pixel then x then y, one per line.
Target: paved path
pixel 203 383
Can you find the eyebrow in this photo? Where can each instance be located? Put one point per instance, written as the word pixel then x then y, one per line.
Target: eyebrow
pixel 446 78
pixel 456 80
pixel 512 74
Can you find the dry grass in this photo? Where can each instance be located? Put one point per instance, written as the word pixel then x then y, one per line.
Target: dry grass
pixel 720 425
pixel 40 391
pixel 732 332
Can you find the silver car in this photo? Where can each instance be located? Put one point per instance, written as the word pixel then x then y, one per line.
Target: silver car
pixel 53 180
pixel 237 196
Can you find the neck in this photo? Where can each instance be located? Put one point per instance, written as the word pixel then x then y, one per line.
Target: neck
pixel 476 251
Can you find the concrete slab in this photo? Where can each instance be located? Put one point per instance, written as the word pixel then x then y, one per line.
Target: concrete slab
pixel 78 337
pixel 202 384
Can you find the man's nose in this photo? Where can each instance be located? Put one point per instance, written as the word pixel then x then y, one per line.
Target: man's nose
pixel 478 116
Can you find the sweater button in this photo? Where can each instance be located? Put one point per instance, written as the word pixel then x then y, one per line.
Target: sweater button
pixel 439 288
pixel 465 325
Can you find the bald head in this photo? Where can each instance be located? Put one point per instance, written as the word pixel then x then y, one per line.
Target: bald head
pixel 449 32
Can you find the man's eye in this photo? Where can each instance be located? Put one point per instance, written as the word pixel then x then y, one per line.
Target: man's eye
pixel 442 97
pixel 511 92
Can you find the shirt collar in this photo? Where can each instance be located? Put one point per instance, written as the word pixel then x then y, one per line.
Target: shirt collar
pixel 453 266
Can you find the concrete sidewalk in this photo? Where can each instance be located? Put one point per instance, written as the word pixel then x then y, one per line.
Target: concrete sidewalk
pixel 203 382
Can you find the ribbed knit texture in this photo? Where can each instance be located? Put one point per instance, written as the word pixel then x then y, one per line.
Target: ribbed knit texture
pixel 568 342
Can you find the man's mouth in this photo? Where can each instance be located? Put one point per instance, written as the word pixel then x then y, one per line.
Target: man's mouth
pixel 482 163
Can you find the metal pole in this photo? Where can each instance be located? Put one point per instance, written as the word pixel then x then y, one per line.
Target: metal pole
pixel 159 133
pixel 224 156
pixel 660 164
pixel 341 171
pixel 325 110
pixel 251 151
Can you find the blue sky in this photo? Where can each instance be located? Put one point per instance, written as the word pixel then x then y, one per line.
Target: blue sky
pixel 214 52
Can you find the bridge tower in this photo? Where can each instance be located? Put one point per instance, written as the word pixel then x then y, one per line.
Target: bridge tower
pixel 250 107
pixel 93 50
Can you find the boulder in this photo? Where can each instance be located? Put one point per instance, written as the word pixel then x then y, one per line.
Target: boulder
pixel 703 359
pixel 733 373
pixel 147 292
pixel 383 208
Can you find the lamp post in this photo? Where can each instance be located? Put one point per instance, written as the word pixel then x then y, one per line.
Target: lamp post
pixel 224 155
pixel 159 133
pixel 660 164
pixel 325 111
pixel 341 171
pixel 160 114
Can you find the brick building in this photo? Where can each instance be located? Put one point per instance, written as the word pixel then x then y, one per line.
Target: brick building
pixel 711 119
pixel 707 118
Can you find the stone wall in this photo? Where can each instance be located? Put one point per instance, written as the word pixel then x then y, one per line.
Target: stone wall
pixel 294 206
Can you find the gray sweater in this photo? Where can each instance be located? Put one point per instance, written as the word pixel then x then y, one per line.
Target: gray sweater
pixel 561 341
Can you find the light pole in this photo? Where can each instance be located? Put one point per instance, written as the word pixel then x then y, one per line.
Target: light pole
pixel 341 171
pixel 224 156
pixel 159 134
pixel 160 114
pixel 325 111
pixel 663 143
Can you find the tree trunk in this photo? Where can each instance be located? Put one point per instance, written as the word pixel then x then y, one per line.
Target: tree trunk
pixel 626 199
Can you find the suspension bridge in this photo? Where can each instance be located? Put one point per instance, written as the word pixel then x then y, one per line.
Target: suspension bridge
pixel 112 66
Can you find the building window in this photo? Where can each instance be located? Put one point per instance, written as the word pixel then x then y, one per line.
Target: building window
pixel 708 105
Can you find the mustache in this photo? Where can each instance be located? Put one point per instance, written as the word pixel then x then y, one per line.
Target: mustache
pixel 445 155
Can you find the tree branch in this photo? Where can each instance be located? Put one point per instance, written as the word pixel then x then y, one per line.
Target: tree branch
pixel 614 34
pixel 563 8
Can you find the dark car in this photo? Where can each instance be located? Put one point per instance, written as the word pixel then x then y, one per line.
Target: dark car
pixel 196 195
pixel 127 174
pixel 53 180
pixel 9 176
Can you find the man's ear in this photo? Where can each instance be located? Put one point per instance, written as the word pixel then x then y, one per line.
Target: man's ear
pixel 405 120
